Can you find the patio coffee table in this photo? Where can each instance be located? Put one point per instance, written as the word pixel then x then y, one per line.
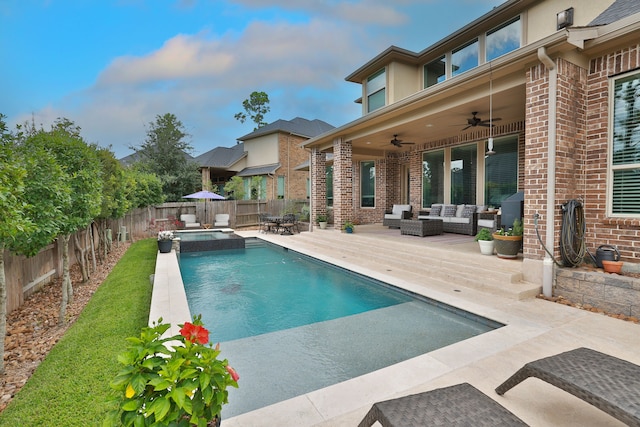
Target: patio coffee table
pixel 421 227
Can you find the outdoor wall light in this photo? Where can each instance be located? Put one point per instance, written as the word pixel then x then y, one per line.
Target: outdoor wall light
pixel 565 18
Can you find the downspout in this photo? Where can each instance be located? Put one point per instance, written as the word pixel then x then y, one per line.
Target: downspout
pixel 547 264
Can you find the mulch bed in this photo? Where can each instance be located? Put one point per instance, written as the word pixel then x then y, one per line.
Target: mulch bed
pixel 32 329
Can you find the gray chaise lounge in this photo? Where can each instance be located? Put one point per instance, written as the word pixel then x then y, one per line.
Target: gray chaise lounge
pixel 606 382
pixel 458 405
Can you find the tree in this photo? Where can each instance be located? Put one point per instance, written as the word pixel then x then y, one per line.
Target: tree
pixel 256 107
pixel 82 173
pixel 13 220
pixel 235 188
pixel 166 154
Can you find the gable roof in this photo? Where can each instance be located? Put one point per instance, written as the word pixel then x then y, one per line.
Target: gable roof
pixel 618 10
pixel 221 157
pixel 298 126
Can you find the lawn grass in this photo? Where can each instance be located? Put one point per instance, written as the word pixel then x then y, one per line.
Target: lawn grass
pixel 71 386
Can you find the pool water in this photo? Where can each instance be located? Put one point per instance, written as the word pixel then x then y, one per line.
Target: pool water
pixel 290 324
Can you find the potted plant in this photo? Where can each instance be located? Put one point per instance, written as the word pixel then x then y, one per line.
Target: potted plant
pixel 177 380
pixel 485 241
pixel 508 242
pixel 322 221
pixel 348 226
pixel 165 241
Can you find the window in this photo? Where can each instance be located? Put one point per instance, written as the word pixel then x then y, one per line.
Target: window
pixel 367 184
pixel 280 194
pixel 432 178
pixel 501 171
pixel 464 58
pixel 624 163
pixel 376 93
pixel 435 72
pixel 463 174
pixel 503 39
pixel 329 184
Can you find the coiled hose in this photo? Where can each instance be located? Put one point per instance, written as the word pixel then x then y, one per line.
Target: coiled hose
pixel 572 234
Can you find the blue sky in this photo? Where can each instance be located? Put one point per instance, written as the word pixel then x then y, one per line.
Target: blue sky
pixel 113 66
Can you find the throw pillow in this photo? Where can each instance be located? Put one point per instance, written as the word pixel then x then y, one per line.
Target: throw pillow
pixel 449 210
pixel 435 210
pixel 468 211
pixel 459 209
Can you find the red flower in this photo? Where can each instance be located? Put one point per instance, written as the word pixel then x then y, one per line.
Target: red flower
pixel 195 333
pixel 233 373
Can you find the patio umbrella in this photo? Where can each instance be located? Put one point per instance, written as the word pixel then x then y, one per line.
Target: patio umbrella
pixel 204 194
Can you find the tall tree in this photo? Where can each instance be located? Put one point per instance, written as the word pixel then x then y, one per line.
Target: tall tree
pixel 255 107
pixel 82 170
pixel 13 220
pixel 166 154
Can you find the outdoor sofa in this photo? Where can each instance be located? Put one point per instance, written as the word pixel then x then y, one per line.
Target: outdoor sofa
pixel 461 219
pixel 393 217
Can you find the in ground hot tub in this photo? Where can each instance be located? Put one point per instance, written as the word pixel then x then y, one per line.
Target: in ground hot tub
pixel 209 240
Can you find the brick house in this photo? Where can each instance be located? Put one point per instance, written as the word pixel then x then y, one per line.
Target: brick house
pixel 551 86
pixel 274 152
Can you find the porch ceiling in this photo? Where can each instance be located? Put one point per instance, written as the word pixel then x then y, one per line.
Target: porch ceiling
pixel 444 118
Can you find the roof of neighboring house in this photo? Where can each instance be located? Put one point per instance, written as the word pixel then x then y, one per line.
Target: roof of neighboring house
pixel 259 170
pixel 221 157
pixel 138 156
pixel 618 10
pixel 297 126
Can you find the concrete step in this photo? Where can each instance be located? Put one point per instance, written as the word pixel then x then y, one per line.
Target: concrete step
pixel 423 263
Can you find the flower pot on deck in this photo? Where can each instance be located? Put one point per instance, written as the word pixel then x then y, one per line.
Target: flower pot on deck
pixel 487 247
pixel 164 246
pixel 507 246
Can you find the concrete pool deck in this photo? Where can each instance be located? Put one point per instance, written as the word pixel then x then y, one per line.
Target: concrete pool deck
pixel 535 328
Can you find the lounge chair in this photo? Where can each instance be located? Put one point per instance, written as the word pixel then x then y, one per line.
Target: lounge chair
pixel 606 382
pixel 221 220
pixel 458 405
pixel 189 221
pixel 393 217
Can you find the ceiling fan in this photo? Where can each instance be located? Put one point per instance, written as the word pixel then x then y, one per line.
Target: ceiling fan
pixel 477 121
pixel 398 142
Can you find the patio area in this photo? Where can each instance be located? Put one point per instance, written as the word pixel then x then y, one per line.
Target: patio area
pixel 439 267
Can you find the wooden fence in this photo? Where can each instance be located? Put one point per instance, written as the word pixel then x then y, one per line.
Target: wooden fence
pixel 26 275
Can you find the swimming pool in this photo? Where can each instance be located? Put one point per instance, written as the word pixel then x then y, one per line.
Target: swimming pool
pixel 291 325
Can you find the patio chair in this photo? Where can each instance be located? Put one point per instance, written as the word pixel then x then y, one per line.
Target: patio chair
pixel 458 405
pixel 398 212
pixel 221 220
pixel 606 382
pixel 288 223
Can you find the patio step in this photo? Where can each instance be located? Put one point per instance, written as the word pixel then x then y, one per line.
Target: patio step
pixel 443 268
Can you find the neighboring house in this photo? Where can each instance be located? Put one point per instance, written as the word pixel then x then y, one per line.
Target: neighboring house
pixel 274 152
pixel 560 81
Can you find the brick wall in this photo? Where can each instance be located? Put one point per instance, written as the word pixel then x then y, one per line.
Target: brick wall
pixel 319 177
pixel 622 232
pixel 291 154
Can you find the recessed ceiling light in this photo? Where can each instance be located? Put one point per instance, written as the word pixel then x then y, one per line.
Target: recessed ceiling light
pixel 428 125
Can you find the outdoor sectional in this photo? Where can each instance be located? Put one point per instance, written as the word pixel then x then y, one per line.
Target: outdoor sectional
pixel 461 219
pixel 393 217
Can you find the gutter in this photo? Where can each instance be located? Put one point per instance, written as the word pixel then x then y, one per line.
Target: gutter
pixel 547 264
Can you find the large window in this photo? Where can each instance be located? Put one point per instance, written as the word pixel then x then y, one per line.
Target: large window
pixel 624 161
pixel 432 178
pixel 367 184
pixel 435 71
pixel 464 58
pixel 503 39
pixel 501 171
pixel 463 174
pixel 376 93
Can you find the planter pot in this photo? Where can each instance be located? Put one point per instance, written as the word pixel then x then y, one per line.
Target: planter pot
pixel 612 266
pixel 322 225
pixel 507 246
pixel 486 247
pixel 348 230
pixel 164 246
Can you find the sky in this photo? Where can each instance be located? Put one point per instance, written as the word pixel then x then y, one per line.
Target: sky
pixel 113 66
